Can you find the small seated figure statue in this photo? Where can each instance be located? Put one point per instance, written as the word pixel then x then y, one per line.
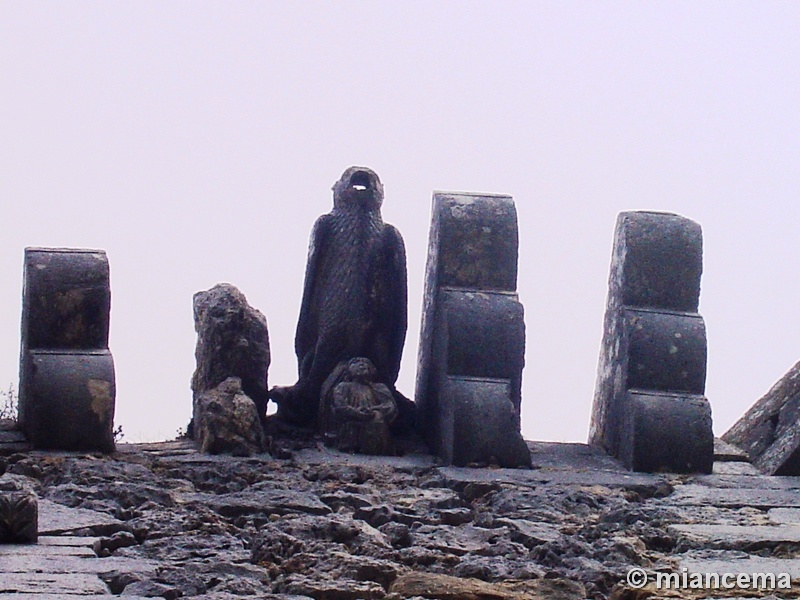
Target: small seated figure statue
pixel 361 410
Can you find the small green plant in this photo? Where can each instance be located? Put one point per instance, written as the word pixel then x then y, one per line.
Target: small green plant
pixel 118 434
pixel 9 403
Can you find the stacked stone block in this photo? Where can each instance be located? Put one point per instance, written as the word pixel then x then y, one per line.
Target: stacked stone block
pixel 649 407
pixel 67 385
pixel 472 342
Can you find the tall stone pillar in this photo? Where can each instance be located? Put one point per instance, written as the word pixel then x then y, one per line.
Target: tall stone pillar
pixel 472 342
pixel 67 385
pixel 649 406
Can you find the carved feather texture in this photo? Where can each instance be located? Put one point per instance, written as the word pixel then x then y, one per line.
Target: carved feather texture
pixel 19 517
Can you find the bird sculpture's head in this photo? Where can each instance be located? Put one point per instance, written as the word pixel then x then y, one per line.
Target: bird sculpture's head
pixel 358 187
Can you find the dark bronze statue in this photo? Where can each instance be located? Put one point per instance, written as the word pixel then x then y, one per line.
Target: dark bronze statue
pixel 354 299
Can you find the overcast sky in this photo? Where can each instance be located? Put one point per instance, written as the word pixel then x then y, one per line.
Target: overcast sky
pixel 196 142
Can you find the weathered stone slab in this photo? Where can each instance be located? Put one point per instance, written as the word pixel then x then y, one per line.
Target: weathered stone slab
pixel 68 540
pixel 230 596
pixel 263 502
pixel 31 563
pixel 37 550
pixel 59 519
pixel 232 341
pixel 727 561
pixel 434 586
pixel 654 344
pixel 734 468
pixel 61 584
pixel 340 588
pixel 698 495
pixel 754 481
pixel 572 455
pixel 472 327
pixel 725 452
pixel 530 533
pixel 316 456
pixel 458 478
pixel 737 536
pixel 770 431
pixel 453 540
pixel 785 516
pixel 445 587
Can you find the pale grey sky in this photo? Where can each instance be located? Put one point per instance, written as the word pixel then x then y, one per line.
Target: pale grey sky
pixel 196 142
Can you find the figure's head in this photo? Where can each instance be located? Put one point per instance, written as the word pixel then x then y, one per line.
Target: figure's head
pixel 361 369
pixel 358 187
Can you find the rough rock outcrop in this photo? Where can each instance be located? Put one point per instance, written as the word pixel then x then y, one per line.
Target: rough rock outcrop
pixel 232 341
pixel 770 431
pixel 164 520
pixel 225 421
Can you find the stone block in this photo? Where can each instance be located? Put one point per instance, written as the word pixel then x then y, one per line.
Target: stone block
pixel 481 424
pixel 658 260
pixel 652 367
pixel 665 351
pixel 474 240
pixel 66 299
pixel 667 432
pixel 473 332
pixel 54 584
pixel 485 334
pixel 769 432
pixel 69 399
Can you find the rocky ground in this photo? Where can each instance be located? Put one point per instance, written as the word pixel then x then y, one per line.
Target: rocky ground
pixel 161 520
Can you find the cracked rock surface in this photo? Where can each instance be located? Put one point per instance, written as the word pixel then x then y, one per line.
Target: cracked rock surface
pixel 162 520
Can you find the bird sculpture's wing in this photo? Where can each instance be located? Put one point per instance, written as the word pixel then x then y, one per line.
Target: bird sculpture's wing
pixel 307 325
pixel 392 328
